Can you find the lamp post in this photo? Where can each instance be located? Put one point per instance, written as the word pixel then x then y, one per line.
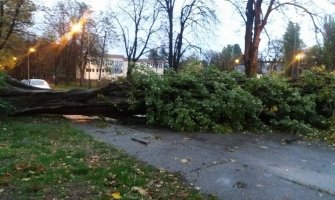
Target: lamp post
pixel 31 50
pixel 237 61
pixel 299 57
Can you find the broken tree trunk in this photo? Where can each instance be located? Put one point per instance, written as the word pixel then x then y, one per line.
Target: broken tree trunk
pixel 109 101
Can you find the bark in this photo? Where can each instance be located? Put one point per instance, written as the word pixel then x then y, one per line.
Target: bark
pixel 109 101
pixel 255 22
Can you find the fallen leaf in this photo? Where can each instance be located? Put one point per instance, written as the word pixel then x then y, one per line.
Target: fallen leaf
pixel 1 190
pixel 184 160
pixel 116 195
pixel 25 179
pixel 140 190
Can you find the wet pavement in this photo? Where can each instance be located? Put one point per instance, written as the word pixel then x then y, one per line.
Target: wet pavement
pixel 234 166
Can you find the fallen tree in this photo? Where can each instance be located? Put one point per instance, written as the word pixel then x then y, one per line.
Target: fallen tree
pixel 110 100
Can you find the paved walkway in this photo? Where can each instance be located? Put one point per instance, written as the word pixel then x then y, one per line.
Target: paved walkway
pixel 236 166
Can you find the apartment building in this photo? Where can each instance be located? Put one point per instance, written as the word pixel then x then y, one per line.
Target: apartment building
pixel 115 66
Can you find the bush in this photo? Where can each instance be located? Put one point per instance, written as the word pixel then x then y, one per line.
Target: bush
pixel 284 106
pixel 207 101
pixel 321 86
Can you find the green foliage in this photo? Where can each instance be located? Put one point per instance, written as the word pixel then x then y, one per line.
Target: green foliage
pixel 225 60
pixel 210 100
pixel 15 16
pixel 292 44
pixel 315 57
pixel 329 40
pixel 283 104
pixel 193 101
pixel 293 126
pixel 321 85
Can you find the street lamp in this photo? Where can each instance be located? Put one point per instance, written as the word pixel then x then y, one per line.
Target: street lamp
pixel 237 61
pixel 299 57
pixel 31 50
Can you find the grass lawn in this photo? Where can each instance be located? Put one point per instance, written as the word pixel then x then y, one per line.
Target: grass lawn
pixel 45 158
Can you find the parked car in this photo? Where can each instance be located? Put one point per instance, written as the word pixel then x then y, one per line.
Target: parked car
pixel 39 83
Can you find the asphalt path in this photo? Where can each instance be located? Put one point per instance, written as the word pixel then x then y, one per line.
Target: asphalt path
pixel 233 166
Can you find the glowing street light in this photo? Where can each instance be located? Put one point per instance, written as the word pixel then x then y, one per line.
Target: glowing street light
pixel 298 57
pixel 77 27
pixel 31 50
pixel 74 29
pixel 237 61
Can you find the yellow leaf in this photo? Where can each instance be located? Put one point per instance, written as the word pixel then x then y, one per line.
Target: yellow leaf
pixel 274 109
pixel 116 195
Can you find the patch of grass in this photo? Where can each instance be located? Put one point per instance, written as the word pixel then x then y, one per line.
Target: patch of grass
pixel 45 158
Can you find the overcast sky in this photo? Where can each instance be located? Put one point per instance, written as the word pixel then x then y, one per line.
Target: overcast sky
pixel 230 30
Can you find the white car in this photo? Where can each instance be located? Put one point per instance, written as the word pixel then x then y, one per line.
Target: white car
pixel 39 83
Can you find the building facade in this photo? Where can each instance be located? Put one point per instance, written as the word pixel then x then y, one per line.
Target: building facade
pixel 115 66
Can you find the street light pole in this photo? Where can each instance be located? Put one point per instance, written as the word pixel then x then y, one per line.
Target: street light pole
pixel 237 61
pixel 28 60
pixel 28 72
pixel 299 57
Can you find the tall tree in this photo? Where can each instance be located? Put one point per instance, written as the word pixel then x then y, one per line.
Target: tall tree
pixel 292 46
pixel 230 55
pixel 315 57
pixel 225 60
pixel 77 32
pixel 193 16
pixel 329 42
pixel 137 22
pixel 58 20
pixel 158 54
pixel 15 15
pixel 256 16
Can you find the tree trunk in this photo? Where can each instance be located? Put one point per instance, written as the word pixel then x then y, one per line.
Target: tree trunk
pixel 109 101
pixel 170 59
pixel 248 38
pixel 82 77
